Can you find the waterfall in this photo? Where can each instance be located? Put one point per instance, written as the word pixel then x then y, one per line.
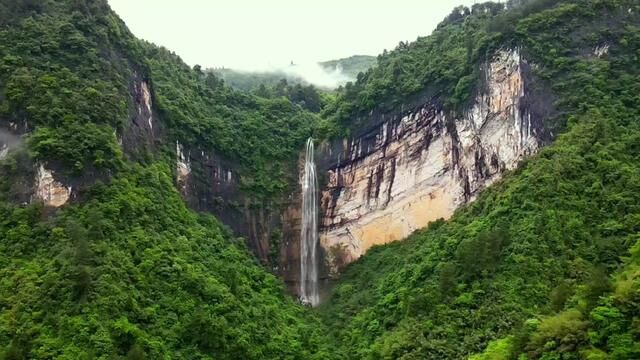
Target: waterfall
pixel 309 232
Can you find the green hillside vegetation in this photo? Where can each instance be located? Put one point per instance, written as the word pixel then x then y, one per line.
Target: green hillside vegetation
pixel 276 85
pixel 262 135
pixel 131 273
pixel 127 271
pixel 251 80
pixel 544 265
pixel 66 70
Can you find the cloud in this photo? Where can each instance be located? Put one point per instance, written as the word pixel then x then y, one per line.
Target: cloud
pixel 313 73
pixel 319 76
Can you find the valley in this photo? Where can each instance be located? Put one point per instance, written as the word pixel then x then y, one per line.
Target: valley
pixel 473 194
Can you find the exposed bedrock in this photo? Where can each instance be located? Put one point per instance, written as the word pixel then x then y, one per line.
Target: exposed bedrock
pixel 408 169
pixel 210 182
pixel 395 174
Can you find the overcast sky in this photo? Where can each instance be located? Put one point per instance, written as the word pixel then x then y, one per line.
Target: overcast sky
pixel 257 34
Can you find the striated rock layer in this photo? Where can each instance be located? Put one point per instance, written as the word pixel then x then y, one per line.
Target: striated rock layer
pixel 407 170
pixel 398 172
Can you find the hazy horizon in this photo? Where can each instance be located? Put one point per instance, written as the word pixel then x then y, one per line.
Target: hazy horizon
pixel 256 36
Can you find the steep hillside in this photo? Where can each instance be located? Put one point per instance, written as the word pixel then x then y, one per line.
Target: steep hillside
pixel 99 256
pixel 521 125
pixel 538 266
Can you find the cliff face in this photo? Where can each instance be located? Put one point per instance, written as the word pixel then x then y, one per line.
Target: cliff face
pixel 210 182
pixel 47 189
pixel 143 129
pixel 395 175
pixel 47 182
pixel 409 169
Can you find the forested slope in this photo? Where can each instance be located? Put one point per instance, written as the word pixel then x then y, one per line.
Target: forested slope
pixel 125 270
pixel 546 260
pixel 544 264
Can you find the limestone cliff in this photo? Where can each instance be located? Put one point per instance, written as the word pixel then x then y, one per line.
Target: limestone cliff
pixel 408 169
pixel 142 131
pixel 47 189
pixel 395 174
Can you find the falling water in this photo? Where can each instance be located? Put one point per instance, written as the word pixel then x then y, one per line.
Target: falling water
pixel 309 233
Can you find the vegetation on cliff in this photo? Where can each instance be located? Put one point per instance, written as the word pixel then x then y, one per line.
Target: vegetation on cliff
pixel 126 270
pixel 66 69
pixel 544 264
pixel 263 136
pixel 131 273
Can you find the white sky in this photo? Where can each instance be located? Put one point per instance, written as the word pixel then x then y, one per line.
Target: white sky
pixel 258 34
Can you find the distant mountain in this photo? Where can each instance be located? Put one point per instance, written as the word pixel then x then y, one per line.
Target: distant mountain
pixel 327 75
pixel 351 65
pixel 250 81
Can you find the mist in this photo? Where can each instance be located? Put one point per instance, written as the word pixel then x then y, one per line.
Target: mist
pixel 311 73
pixel 249 34
pixel 8 142
pixel 319 76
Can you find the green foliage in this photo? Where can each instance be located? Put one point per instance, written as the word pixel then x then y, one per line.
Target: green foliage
pixel 533 268
pixel 126 270
pixel 251 81
pixel 76 145
pixel 500 349
pixel 443 65
pixel 264 136
pixel 150 279
pixel 306 96
pixel 55 79
pixel 66 72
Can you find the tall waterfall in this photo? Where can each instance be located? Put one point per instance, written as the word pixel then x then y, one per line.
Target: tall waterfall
pixel 309 231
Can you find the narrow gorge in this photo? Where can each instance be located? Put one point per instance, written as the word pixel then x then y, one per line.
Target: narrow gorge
pixel 403 170
pixel 397 173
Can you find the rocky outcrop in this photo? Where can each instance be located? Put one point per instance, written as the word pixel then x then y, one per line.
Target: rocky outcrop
pixel 141 133
pixel 409 169
pixel 48 190
pixel 397 173
pixel 601 50
pixel 209 182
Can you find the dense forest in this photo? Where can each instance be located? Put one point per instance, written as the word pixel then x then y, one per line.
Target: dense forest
pixel 127 271
pixel 545 264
